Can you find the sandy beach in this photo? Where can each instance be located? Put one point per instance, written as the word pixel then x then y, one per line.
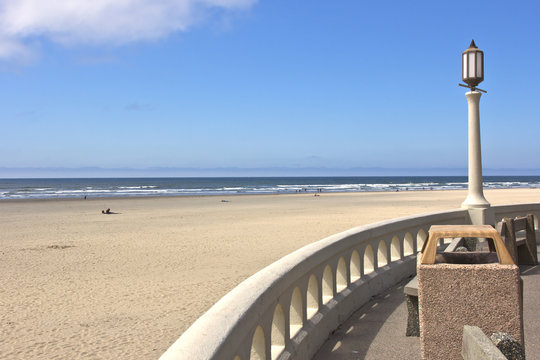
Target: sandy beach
pixel 76 283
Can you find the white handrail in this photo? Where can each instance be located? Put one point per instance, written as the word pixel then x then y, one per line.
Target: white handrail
pixel 288 309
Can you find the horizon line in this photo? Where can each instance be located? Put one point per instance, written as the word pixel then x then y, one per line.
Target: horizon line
pixel 175 172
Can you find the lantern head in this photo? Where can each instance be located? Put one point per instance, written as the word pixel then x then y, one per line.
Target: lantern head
pixel 473 66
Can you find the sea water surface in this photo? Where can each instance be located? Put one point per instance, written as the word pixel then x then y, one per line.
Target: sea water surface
pixel 131 187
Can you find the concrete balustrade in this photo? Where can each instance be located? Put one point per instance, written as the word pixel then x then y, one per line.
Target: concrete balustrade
pixel 512 211
pixel 369 260
pixel 408 245
pixel 288 309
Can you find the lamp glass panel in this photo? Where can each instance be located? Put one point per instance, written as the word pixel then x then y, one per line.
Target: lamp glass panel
pixel 479 63
pixel 465 66
pixel 472 65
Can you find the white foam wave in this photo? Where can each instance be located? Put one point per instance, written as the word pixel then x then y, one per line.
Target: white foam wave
pixel 112 189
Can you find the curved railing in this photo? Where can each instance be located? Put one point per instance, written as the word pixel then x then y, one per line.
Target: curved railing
pixel 503 211
pixel 288 309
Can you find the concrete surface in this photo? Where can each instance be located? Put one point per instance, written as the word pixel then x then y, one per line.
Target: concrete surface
pixel 477 346
pixel 377 330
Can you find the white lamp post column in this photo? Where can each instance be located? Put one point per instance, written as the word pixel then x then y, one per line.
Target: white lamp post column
pixel 473 74
pixel 475 198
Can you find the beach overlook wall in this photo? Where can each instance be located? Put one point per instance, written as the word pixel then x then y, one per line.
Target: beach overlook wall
pixel 288 309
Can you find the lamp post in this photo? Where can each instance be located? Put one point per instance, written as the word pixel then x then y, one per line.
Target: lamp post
pixel 473 74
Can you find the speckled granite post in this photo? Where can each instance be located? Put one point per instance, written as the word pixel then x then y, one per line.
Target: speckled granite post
pixel 510 347
pixel 453 295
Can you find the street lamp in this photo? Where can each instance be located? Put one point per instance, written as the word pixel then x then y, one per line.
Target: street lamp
pixel 473 67
pixel 473 74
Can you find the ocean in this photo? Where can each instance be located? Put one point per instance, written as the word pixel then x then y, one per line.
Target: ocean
pixel 136 187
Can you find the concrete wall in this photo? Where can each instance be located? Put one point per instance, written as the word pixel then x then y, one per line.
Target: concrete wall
pixel 477 346
pixel 288 309
pixel 502 211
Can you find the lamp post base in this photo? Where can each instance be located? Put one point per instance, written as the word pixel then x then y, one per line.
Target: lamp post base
pixel 481 216
pixel 475 202
pixel 480 211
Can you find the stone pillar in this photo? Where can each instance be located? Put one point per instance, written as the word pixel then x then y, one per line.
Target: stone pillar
pixel 475 202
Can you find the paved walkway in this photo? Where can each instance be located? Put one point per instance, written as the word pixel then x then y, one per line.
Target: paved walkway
pixel 377 330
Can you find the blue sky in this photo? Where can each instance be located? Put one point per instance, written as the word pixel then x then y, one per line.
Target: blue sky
pixel 336 87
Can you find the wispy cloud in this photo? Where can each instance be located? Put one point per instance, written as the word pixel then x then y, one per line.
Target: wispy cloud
pixel 26 114
pixel 110 22
pixel 138 107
